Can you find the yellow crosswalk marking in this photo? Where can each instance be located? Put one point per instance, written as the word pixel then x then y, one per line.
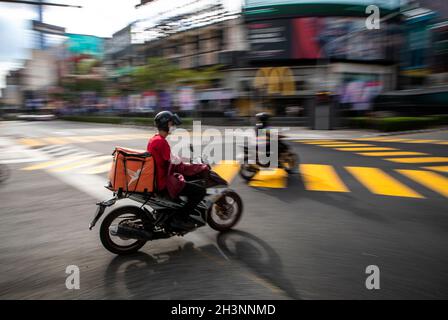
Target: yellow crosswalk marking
pixel 318 177
pixel 366 149
pixel 81 163
pixel 431 180
pixel 419 160
pixel 392 140
pixel 345 145
pixel 438 168
pixel 392 154
pixel 227 169
pixel 419 141
pixel 52 163
pixel 98 169
pixel 324 141
pixel 444 143
pixel 270 178
pixel 379 182
pixel 56 140
pixel 32 142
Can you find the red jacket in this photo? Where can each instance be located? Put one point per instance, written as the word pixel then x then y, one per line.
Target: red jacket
pixel 169 175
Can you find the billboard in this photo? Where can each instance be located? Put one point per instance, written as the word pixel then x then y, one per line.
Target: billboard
pixel 85 44
pixel 321 38
pixel 269 9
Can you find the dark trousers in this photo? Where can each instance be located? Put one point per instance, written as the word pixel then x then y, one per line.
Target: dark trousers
pixel 195 194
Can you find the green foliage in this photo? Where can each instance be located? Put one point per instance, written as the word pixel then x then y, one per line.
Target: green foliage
pixel 160 73
pixel 391 124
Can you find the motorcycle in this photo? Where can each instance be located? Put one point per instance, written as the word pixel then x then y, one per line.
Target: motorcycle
pixel 287 159
pixel 126 229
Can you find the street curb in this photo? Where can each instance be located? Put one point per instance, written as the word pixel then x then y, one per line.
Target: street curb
pixel 406 132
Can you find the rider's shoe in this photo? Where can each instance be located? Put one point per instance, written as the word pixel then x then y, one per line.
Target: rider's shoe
pixel 183 223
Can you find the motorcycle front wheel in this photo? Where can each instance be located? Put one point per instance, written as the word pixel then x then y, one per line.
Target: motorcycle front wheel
pixel 248 171
pixel 116 244
pixel 226 212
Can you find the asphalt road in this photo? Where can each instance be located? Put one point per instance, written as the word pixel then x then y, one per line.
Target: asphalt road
pixel 311 239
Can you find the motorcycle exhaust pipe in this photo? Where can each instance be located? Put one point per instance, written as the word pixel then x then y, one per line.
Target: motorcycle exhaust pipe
pixel 126 233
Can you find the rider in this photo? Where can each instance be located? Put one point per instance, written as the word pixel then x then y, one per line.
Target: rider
pixel 262 126
pixel 166 123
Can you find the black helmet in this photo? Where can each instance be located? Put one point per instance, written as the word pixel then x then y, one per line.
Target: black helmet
pixel 262 117
pixel 163 117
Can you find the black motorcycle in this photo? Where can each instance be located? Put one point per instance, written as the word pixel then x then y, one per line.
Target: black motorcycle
pixel 251 164
pixel 127 229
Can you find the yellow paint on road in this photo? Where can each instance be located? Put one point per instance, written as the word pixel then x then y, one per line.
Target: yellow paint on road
pixel 32 142
pixel 52 163
pixel 379 182
pixel 438 168
pixel 392 154
pixel 82 163
pixel 227 169
pixel 430 180
pixel 366 149
pixel 419 160
pixel 345 145
pixel 318 177
pixel 98 169
pixel 270 178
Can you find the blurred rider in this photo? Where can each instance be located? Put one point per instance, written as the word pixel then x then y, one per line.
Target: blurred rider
pixel 158 146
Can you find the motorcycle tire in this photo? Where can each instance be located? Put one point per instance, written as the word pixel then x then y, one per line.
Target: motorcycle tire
pixel 245 173
pixel 105 235
pixel 224 227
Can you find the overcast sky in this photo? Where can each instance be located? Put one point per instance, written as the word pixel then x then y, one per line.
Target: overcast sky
pixel 97 17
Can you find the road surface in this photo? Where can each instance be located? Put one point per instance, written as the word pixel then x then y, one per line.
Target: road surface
pixel 357 201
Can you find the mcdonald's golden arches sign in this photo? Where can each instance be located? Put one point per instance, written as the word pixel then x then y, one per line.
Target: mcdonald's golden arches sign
pixel 275 80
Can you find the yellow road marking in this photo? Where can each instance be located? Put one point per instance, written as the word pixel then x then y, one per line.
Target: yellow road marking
pixel 270 178
pixel 379 182
pixel 420 141
pixel 32 142
pixel 227 169
pixel 431 180
pixel 419 160
pixel 318 177
pixel 52 163
pixel 444 142
pixel 325 142
pixel 98 169
pixel 56 140
pixel 392 154
pixel 392 140
pixel 438 168
pixel 344 145
pixel 81 163
pixel 366 149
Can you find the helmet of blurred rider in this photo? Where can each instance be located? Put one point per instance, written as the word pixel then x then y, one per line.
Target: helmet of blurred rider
pixel 262 117
pixel 162 119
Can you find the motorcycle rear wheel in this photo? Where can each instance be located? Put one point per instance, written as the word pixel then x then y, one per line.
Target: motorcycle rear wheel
pixel 105 236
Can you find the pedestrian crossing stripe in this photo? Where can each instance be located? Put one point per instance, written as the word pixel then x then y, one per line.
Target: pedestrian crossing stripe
pixel 270 178
pixel 82 163
pixel 430 180
pixel 30 142
pixel 319 177
pixel 53 163
pixel 366 149
pixel 392 154
pixel 227 169
pixel 345 145
pixel 420 141
pixel 438 168
pixel 419 160
pixel 379 182
pixel 327 142
pixel 98 169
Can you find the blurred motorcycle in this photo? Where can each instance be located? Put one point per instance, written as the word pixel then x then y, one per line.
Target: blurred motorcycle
pixel 127 229
pixel 287 159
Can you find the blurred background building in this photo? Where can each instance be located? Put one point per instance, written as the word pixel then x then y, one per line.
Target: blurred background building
pixel 214 58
